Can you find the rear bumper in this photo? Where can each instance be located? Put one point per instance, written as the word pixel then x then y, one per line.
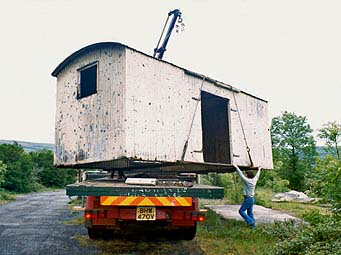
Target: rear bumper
pixel 172 217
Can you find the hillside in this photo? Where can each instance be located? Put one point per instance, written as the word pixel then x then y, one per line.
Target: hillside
pixel 30 146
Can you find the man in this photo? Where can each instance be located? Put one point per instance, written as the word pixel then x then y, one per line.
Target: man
pixel 249 184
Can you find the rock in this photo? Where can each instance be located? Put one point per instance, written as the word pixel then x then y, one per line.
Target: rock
pixel 294 196
pixel 262 214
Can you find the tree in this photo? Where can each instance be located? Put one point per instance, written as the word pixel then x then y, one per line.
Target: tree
pixel 48 175
pixel 294 149
pixel 2 173
pixel 19 176
pixel 331 133
pixel 326 181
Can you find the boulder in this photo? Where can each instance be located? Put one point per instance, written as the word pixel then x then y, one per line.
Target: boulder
pixel 294 196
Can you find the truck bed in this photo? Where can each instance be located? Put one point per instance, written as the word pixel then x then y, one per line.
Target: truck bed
pixel 107 187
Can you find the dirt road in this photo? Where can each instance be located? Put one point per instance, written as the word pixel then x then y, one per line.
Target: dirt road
pixel 33 224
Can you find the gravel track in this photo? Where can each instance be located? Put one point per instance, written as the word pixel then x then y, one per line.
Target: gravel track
pixel 33 224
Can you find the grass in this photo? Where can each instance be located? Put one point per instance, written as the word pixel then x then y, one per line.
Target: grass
pixel 214 237
pixel 6 197
pixel 76 221
pixel 138 247
pixel 76 202
pixel 46 189
pixel 263 198
pixel 218 236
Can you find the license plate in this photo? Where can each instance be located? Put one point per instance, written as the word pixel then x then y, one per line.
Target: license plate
pixel 145 213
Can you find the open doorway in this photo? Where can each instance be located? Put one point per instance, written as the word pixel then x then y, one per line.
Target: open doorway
pixel 215 128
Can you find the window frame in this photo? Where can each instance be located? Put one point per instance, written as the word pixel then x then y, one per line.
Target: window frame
pixel 79 85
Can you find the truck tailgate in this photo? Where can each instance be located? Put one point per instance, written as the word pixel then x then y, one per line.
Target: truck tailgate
pixel 111 188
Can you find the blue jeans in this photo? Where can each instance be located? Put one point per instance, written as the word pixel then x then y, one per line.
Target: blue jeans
pixel 247 206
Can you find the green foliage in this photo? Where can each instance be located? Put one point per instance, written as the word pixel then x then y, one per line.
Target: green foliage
pixel 75 221
pixel 318 237
pixel 220 236
pixel 280 230
pixel 314 217
pixel 47 174
pixel 3 168
pixel 25 172
pixel 272 180
pixel 20 176
pixel 5 196
pixel 326 179
pixel 294 149
pixel 231 183
pixel 331 133
pixel 216 179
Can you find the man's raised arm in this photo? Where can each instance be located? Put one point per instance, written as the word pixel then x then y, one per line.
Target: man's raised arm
pixel 244 178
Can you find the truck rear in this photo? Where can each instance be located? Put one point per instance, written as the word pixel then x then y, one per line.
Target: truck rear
pixel 114 206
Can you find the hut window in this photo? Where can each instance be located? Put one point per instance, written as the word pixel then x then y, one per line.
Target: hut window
pixel 88 80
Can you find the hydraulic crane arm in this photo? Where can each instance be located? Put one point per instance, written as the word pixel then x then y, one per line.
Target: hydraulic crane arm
pixel 159 51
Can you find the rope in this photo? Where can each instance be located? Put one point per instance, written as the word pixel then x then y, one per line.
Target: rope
pixel 241 124
pixel 190 128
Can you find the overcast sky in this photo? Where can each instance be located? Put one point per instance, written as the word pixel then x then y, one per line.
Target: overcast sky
pixel 287 52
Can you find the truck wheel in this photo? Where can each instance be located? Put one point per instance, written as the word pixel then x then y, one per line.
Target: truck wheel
pixel 189 233
pixel 185 233
pixel 94 233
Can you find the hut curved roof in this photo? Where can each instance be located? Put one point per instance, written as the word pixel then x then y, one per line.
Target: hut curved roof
pixel 80 52
pixel 99 45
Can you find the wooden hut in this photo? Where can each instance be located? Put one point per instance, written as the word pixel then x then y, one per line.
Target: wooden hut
pixel 120 108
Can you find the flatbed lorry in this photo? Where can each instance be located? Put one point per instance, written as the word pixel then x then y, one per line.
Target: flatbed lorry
pixel 115 206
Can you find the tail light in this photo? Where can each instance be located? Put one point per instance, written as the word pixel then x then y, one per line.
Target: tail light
pixel 201 218
pixel 88 215
pixel 198 216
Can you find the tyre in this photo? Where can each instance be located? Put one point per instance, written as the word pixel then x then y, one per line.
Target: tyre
pixel 94 233
pixel 187 233
pixel 101 233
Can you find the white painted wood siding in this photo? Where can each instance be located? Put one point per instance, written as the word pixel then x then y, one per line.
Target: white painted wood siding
pixel 91 129
pixel 160 109
pixel 143 109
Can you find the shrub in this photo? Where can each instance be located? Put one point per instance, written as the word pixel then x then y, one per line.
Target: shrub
pixel 321 236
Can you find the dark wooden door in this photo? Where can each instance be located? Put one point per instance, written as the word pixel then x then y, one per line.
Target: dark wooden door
pixel 215 128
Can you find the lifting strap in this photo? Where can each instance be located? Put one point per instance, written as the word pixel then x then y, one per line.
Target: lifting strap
pixel 241 124
pixel 190 128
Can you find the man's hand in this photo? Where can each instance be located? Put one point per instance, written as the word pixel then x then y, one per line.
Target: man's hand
pixel 235 166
